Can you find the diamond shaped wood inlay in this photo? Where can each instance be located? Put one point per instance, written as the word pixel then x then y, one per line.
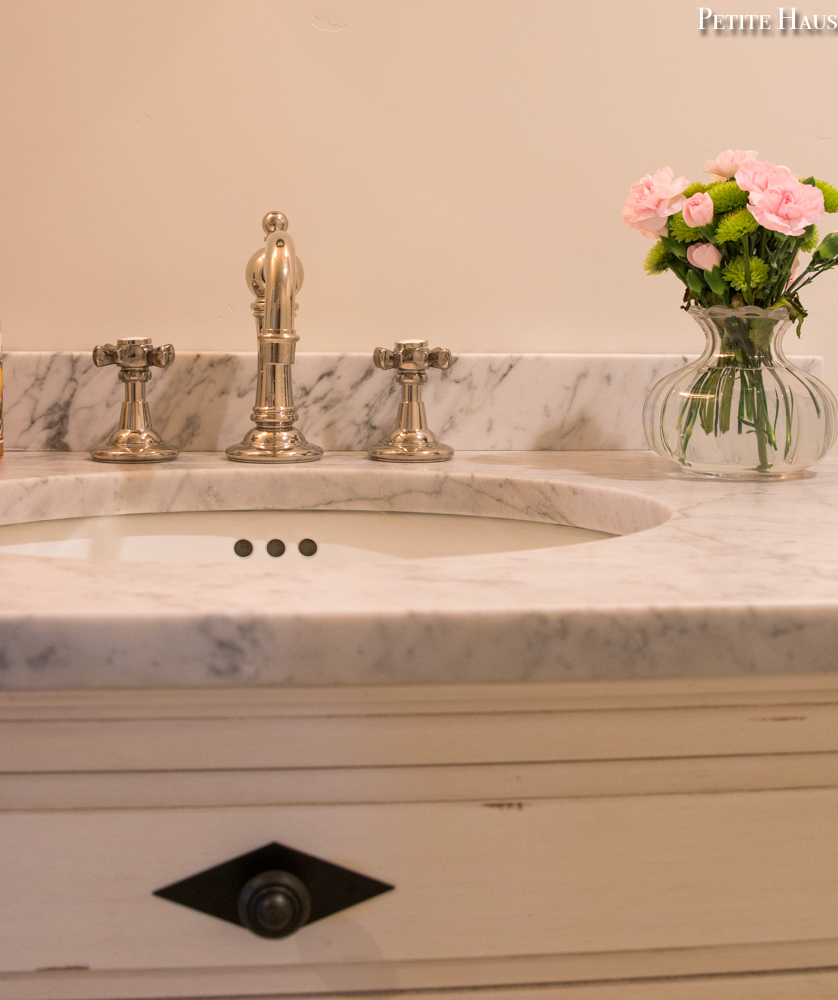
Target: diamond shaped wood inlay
pixel 216 890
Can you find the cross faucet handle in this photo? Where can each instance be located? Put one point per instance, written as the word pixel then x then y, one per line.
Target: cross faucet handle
pixel 162 356
pixel 439 357
pixel 133 352
pixel 383 359
pixel 412 440
pixel 134 440
pixel 411 356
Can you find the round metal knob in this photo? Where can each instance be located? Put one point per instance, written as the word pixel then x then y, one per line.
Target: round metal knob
pixel 274 904
pixel 273 221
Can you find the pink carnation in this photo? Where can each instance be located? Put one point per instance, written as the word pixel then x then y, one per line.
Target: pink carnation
pixel 704 255
pixel 698 210
pixel 727 163
pixel 787 206
pixel 653 200
pixel 759 176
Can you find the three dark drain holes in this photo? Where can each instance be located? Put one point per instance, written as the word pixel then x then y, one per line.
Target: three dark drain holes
pixel 275 547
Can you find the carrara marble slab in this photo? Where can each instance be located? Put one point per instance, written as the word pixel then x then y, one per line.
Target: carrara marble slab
pixel 491 402
pixel 707 578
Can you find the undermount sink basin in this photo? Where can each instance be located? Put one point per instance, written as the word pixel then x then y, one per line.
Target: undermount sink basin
pixel 282 536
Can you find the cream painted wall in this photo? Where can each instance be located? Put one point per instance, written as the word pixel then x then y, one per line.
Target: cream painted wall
pixel 452 169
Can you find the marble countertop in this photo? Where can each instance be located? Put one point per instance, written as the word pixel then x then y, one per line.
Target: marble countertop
pixel 707 578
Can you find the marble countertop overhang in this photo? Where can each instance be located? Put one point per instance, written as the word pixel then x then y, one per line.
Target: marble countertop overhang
pixel 707 578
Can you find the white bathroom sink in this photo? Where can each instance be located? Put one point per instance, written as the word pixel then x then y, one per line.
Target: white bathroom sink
pixel 281 537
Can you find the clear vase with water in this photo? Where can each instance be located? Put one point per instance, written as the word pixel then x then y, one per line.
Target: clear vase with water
pixel 742 410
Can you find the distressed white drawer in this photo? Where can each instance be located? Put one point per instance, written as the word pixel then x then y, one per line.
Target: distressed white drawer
pixel 550 835
pixel 548 877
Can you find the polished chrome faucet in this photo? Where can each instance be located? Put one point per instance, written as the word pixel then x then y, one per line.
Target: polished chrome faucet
pixel 275 275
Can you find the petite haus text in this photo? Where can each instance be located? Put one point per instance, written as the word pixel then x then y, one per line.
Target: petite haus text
pixel 786 19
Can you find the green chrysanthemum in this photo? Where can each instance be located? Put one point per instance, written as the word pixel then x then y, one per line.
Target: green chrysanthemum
pixel 830 196
pixel 696 188
pixel 735 273
pixel 812 242
pixel 657 259
pixel 735 225
pixel 727 196
pixel 681 231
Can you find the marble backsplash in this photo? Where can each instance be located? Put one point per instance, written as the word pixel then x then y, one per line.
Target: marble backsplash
pixel 484 402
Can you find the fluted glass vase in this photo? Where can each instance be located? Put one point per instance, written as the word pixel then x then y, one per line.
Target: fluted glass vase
pixel 742 410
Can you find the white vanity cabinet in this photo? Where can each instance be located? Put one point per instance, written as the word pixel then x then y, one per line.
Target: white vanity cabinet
pixel 603 840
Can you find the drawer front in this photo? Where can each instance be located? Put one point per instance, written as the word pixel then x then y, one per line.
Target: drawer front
pixel 471 879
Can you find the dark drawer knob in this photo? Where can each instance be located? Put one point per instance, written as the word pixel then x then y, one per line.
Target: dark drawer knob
pixel 274 904
pixel 274 890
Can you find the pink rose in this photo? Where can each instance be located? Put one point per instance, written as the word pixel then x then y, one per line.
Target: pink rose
pixel 787 206
pixel 727 163
pixel 704 255
pixel 758 176
pixel 698 210
pixel 653 200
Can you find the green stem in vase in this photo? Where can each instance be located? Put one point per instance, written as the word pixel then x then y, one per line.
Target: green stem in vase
pixel 729 379
pixel 762 422
pixel 788 410
pixel 689 412
pixel 744 356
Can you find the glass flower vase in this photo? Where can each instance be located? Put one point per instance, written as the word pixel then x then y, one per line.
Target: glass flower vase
pixel 742 410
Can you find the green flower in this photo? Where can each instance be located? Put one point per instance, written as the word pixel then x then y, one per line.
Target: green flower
pixel 830 196
pixel 727 196
pixel 735 225
pixel 735 273
pixel 681 231
pixel 657 259
pixel 812 242
pixel 696 188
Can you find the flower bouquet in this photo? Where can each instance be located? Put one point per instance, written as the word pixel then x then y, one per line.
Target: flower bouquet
pixel 736 243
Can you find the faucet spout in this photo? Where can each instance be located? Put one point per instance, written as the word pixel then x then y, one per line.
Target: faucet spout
pixel 281 276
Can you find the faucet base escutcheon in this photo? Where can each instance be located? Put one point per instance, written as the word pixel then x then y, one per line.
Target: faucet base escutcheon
pixel 411 445
pixel 281 445
pixel 132 446
pixel 398 453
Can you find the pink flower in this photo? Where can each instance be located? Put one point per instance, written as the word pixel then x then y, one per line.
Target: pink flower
pixel 653 200
pixel 698 210
pixel 704 255
pixel 787 206
pixel 758 176
pixel 727 163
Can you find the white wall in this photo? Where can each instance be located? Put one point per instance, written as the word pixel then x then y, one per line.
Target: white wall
pixel 452 169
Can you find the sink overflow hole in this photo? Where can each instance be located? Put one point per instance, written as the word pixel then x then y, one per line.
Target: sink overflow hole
pixel 276 547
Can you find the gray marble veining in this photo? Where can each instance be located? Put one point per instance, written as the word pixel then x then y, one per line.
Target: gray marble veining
pixel 707 578
pixel 516 402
